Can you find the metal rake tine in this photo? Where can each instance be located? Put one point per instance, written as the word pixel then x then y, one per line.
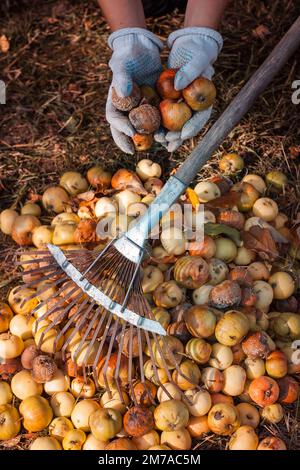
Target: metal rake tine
pixel 86 333
pixel 96 332
pixel 142 374
pixel 141 361
pixel 97 258
pixel 111 342
pixel 120 349
pixel 109 320
pixel 78 329
pixel 47 329
pixel 56 282
pixel 124 303
pixel 60 303
pixel 65 328
pixel 155 367
pixel 175 362
pixel 78 326
pixel 65 311
pixel 130 361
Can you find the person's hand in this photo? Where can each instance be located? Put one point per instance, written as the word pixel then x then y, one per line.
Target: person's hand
pixel 135 58
pixel 193 51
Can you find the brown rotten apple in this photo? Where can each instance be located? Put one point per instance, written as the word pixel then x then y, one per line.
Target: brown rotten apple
pixel 145 119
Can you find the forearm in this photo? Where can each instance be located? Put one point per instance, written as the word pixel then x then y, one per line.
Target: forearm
pixel 123 13
pixel 205 13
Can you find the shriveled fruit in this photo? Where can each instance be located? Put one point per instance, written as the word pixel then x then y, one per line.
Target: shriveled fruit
pixel 258 345
pixel 145 118
pixel 138 421
pixel 126 103
pixel 226 294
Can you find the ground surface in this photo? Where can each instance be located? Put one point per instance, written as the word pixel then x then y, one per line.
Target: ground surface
pixel 57 79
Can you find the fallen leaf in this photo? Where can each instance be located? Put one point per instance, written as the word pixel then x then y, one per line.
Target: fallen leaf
pixel 294 151
pixel 171 259
pixel 192 197
pixel 261 31
pixel 85 231
pixel 4 44
pixel 227 201
pixel 261 241
pixel 221 229
pixel 88 196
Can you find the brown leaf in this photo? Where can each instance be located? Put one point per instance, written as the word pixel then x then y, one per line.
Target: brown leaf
pixel 164 260
pixel 227 201
pixel 261 31
pixel 261 241
pixel 294 151
pixel 4 44
pixel 85 231
pixel 11 442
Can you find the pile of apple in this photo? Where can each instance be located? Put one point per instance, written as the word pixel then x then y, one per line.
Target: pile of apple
pixel 148 108
pixel 230 312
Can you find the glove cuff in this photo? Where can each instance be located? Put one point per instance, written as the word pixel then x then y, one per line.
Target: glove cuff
pixel 136 31
pixel 196 31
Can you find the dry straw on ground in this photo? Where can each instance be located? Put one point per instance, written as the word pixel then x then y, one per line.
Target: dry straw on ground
pixel 53 58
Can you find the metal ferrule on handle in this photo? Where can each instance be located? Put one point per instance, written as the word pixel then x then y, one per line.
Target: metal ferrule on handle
pixel 131 243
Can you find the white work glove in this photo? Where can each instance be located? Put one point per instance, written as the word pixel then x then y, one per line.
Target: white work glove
pixel 135 58
pixel 193 51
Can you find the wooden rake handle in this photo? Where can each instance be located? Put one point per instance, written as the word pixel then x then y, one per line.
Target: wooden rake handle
pixel 240 105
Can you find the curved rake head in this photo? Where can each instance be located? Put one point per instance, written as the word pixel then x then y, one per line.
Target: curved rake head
pixel 102 339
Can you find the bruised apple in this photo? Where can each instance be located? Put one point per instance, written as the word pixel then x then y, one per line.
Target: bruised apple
pixel 174 115
pixel 200 94
pixel 165 85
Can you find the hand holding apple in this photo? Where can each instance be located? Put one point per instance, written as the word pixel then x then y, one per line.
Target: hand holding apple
pixel 193 51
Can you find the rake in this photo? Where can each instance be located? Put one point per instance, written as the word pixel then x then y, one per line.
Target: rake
pixel 98 298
